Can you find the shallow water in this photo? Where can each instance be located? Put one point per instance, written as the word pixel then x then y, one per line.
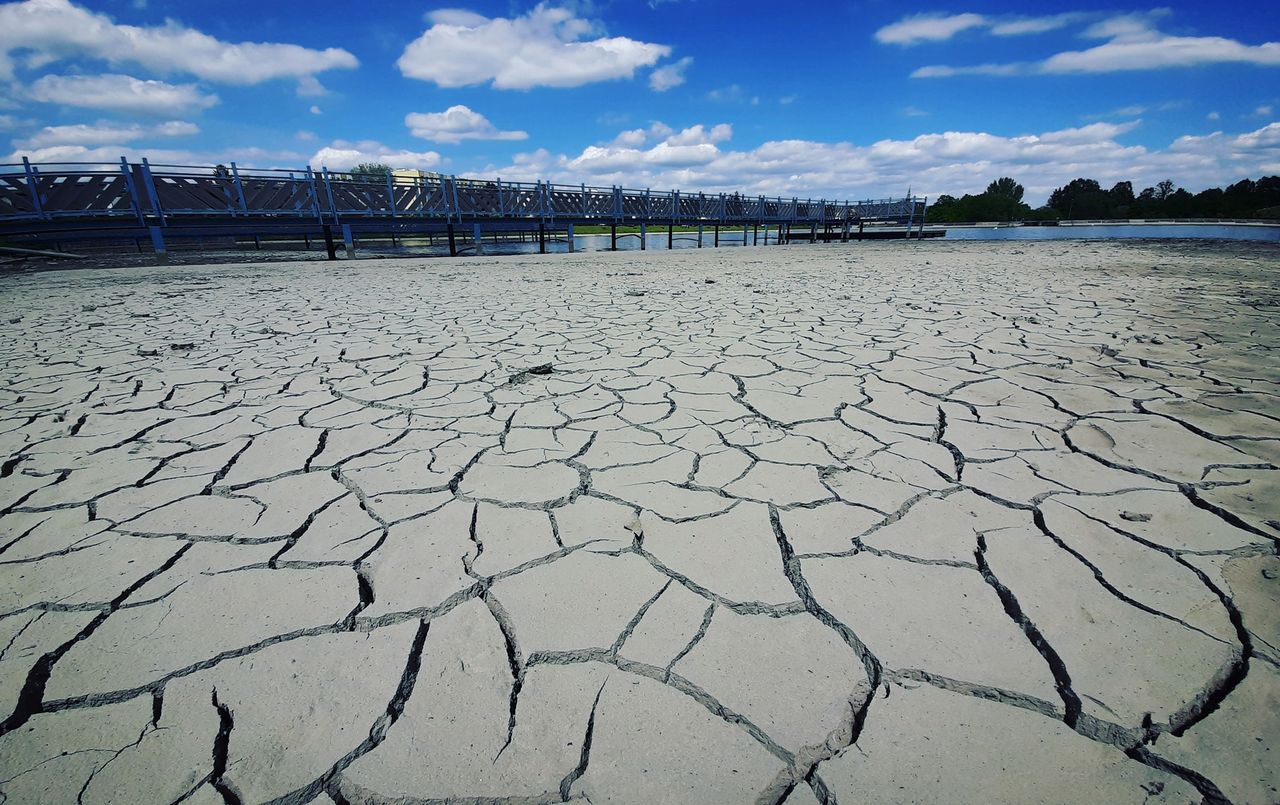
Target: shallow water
pixel 1111 231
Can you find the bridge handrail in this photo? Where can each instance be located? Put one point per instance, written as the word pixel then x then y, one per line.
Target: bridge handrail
pixel 154 192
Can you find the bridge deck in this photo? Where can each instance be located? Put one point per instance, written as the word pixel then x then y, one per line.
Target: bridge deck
pixel 133 199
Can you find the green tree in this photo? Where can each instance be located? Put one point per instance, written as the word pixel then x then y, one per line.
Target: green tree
pixel 1005 187
pixel 370 171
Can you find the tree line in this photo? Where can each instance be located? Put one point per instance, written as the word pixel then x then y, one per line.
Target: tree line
pixel 1085 199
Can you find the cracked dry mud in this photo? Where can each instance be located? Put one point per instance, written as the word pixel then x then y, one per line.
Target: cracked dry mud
pixel 869 523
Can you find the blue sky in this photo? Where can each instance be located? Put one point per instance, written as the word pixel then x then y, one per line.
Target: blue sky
pixel 838 100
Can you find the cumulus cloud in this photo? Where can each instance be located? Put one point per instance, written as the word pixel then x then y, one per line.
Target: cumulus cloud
pixel 455 124
pixel 59 29
pixel 669 75
pixel 1133 43
pixel 104 133
pixel 953 162
pixel 546 47
pixel 120 93
pixel 928 28
pixel 343 155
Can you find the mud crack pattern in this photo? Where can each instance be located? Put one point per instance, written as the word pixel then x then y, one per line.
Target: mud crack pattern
pixel 943 522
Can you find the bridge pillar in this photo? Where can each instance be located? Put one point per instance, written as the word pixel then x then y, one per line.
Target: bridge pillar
pixel 542 237
pixel 476 239
pixel 699 236
pixel 644 237
pixel 716 243
pixel 671 238
pixel 453 243
pixel 744 234
pixel 348 242
pixel 813 232
pixel 613 237
pixel 570 237
pixel 157 242
pixel 329 248
pixel 755 237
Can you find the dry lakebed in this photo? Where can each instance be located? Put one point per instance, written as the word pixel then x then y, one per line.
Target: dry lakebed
pixel 872 522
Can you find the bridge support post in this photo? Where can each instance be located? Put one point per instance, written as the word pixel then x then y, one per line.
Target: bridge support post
pixel 744 234
pixel 716 243
pixel 671 238
pixel 613 237
pixel 860 224
pixel 569 237
pixel 347 242
pixel 644 237
pixel 699 236
pixel 329 248
pixel 542 237
pixel 157 242
pixel 813 233
pixel 453 243
pixel 476 239
pixel 755 236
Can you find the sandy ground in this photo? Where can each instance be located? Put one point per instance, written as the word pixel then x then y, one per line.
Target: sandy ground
pixel 935 522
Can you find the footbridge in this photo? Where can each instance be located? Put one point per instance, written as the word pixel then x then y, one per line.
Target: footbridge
pixel 151 203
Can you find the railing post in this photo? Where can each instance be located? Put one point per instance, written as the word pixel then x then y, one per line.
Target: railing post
pixel 584 203
pixel 315 195
pixel 391 195
pixel 36 205
pixel 235 175
pixel 911 215
pixel 328 191
pixel 924 211
pixel 133 191
pixel 501 208
pixel 453 185
pixel 151 190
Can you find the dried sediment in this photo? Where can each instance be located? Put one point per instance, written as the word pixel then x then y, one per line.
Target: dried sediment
pixel 592 526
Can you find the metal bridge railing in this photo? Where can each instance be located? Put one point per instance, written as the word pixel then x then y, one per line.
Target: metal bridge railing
pixel 157 194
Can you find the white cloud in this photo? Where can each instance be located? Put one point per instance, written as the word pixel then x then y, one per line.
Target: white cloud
pixel 1213 116
pixel 109 155
pixel 911 111
pixel 1133 43
pixel 546 47
pixel 1020 26
pixel 1265 110
pixel 316 110
pixel 928 28
pixel 58 29
pixel 730 94
pixel 669 75
pixel 946 71
pixel 103 133
pixel 700 135
pixel 310 87
pixel 1161 51
pixel 455 124
pixel 342 155
pixel 121 93
pixel 305 136
pixel 949 162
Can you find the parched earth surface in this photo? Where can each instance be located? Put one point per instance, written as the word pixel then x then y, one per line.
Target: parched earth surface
pixel 925 522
